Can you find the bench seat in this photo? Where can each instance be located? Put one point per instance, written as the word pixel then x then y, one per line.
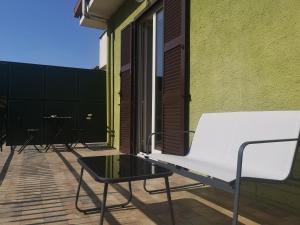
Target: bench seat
pixel 196 166
pixel 217 171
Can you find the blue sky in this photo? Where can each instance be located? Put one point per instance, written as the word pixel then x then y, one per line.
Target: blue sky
pixel 45 32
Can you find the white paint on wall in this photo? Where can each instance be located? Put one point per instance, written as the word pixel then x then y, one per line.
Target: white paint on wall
pixel 103 52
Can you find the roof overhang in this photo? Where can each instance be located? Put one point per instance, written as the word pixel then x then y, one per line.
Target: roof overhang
pixel 98 12
pixel 78 9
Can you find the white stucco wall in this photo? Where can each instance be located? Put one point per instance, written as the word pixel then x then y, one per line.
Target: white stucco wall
pixel 103 52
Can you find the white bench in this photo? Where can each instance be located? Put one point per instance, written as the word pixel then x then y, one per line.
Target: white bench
pixel 229 147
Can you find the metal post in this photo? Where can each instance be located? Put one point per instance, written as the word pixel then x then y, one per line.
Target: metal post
pixel 236 203
pixel 169 199
pixel 103 203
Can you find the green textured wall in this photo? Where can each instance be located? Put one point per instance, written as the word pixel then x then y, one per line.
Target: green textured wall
pixel 123 17
pixel 244 55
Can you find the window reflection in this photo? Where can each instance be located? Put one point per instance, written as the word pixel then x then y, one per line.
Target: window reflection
pixel 159 75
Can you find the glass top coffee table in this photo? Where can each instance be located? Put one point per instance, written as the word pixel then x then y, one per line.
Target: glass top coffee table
pixel 121 168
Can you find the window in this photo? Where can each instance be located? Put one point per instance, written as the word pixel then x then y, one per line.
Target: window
pixel 160 80
pixel 158 51
pixel 150 76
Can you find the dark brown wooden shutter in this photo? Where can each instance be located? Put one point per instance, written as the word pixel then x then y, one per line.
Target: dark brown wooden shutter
pixel 126 128
pixel 174 80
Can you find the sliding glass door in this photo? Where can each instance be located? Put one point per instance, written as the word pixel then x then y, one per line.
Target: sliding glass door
pixel 149 76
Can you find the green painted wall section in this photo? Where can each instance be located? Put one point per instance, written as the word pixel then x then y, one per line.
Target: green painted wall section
pixel 244 56
pixel 123 17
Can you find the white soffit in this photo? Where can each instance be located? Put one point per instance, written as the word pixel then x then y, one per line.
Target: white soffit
pixel 104 8
pixel 87 22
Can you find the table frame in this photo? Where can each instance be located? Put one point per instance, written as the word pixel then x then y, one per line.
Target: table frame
pixel 104 208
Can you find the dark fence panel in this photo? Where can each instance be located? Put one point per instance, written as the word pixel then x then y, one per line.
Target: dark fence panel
pixel 37 93
pixel 4 71
pixel 26 81
pixel 91 121
pixel 91 86
pixel 62 83
pixel 24 115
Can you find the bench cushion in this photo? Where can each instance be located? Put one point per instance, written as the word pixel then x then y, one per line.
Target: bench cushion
pixel 218 136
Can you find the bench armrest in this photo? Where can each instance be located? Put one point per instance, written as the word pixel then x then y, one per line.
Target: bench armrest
pixel 243 147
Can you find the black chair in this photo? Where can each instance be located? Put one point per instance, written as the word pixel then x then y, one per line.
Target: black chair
pixel 80 132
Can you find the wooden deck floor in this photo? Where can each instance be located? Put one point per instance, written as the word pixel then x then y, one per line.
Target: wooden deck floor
pixel 40 188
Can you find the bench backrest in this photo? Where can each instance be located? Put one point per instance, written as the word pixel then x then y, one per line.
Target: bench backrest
pixel 219 135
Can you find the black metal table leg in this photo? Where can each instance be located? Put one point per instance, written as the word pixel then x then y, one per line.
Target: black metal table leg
pixel 99 208
pixel 47 147
pixel 169 199
pixel 68 147
pixel 103 205
pixel 130 195
pixel 55 137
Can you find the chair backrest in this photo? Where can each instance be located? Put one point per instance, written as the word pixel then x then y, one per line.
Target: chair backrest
pixel 219 135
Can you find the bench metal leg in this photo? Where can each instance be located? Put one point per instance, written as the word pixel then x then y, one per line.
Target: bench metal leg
pixel 100 208
pixel 236 203
pixel 175 188
pixel 169 199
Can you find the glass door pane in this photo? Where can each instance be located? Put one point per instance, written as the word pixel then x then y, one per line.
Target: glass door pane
pixel 158 54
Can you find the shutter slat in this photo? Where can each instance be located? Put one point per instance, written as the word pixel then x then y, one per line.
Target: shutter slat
pixel 174 78
pixel 126 91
